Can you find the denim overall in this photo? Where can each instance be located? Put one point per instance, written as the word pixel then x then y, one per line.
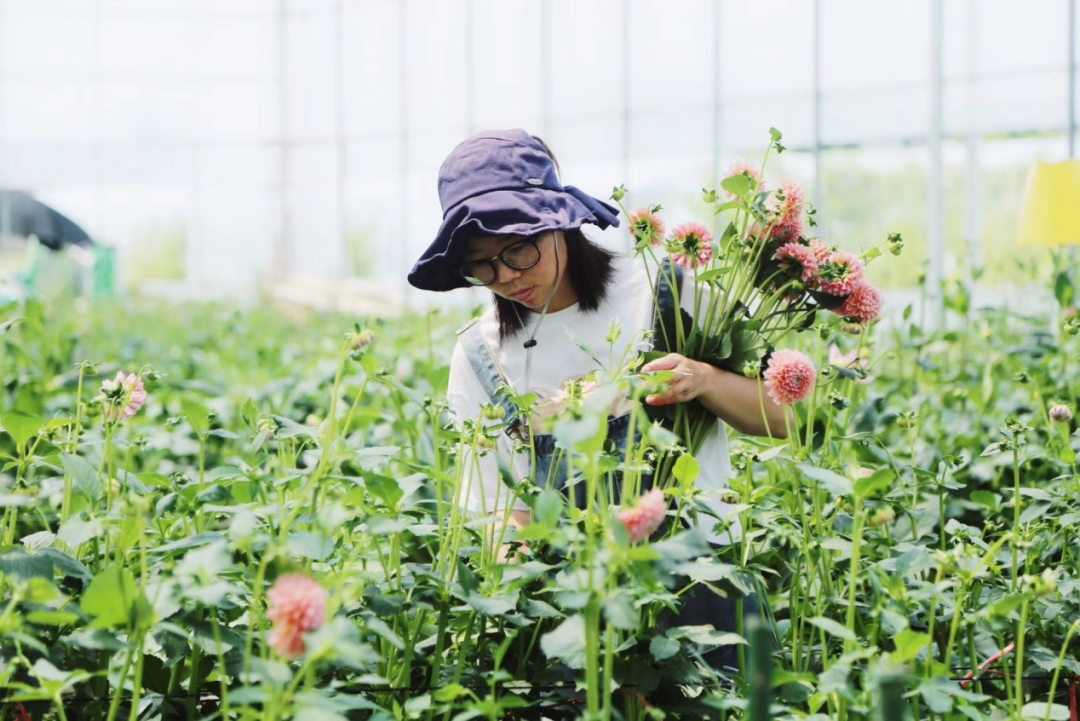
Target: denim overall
pixel 700 605
pixel 552 462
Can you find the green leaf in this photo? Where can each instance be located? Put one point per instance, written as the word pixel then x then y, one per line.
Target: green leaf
pixel 110 597
pixel 908 645
pixel 738 184
pixel 87 483
pixel 833 628
pixel 77 530
pixel 620 612
pixel 468 580
pixel 662 647
pixel 17 563
pixel 686 469
pixel 315 546
pixel 53 618
pixel 549 507
pixel 384 488
pixel 1063 289
pixel 566 642
pixel 21 426
pixel 1038 709
pixel 499 605
pixel 878 482
pixel 197 414
pixel 831 481
pixel 914 561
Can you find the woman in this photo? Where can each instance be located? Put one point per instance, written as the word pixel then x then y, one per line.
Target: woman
pixel 509 224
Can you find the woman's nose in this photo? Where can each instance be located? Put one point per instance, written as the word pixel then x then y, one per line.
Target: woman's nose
pixel 506 273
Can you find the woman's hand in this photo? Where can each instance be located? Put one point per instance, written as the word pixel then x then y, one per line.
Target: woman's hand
pixel 691 379
pixel 739 401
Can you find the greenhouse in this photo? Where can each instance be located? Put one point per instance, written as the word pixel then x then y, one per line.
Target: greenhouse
pixel 620 360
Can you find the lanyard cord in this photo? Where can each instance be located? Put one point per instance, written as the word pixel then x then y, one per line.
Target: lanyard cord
pixel 531 343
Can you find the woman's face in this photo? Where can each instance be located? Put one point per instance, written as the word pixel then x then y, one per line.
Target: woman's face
pixel 532 286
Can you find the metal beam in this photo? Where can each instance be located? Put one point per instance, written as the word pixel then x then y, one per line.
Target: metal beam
pixel 935 235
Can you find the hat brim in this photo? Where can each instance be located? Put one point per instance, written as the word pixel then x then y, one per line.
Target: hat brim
pixel 525 212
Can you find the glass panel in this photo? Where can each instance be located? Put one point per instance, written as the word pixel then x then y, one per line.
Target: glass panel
pixel 436 77
pixel 506 65
pixel 666 73
pixel 586 59
pixel 372 68
pixel 766 48
pixel 870 193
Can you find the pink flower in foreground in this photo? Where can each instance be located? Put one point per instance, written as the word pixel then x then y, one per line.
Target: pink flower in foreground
pixel 840 273
pixel 798 260
pixel 863 304
pixel 748 169
pixel 647 225
pixel 297 606
pixel 644 518
pixel 788 203
pixel 691 245
pixel 789 377
pixel 123 396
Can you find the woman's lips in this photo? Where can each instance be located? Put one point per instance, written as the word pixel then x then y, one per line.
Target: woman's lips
pixel 523 296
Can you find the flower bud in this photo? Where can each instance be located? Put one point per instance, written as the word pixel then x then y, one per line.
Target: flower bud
pixel 896 244
pixel 709 196
pixel 852 328
pixel 493 413
pixel 1060 413
pixel 729 496
pixel 484 442
pixel 618 193
pixel 883 517
pixel 907 420
pixel 1043 585
pixel 362 339
pixel 1072 326
pixel 313 420
pixel 751 369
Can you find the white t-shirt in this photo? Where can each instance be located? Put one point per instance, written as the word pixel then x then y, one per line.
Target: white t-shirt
pixel 557 358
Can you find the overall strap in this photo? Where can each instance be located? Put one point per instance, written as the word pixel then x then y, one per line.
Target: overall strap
pixel 482 359
pixel 664 323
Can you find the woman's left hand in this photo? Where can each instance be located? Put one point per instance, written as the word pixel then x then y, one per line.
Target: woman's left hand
pixel 691 379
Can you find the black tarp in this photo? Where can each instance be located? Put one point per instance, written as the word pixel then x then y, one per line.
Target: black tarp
pixel 22 215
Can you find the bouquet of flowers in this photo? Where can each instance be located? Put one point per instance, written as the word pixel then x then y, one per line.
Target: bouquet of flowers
pixel 764 277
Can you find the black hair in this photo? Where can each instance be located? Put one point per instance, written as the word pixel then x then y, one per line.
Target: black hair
pixel 588 270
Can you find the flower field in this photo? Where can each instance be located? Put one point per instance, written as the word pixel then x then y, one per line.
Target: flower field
pixel 266 528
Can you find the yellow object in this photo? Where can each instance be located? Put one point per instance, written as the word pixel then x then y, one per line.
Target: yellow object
pixel 1051 211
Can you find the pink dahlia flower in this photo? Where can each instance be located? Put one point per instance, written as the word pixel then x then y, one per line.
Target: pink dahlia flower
pixel 644 518
pixel 744 168
pixel 798 260
pixel 691 245
pixel 863 304
pixel 123 396
pixel 787 203
pixel 647 225
pixel 821 249
pixel 789 377
pixel 297 606
pixel 840 273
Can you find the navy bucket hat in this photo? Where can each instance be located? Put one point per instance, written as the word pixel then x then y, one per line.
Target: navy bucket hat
pixel 500 182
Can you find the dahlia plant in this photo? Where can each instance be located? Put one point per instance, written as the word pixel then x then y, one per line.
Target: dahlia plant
pixel 761 278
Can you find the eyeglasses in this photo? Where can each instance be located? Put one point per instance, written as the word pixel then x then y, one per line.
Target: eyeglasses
pixel 519 256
